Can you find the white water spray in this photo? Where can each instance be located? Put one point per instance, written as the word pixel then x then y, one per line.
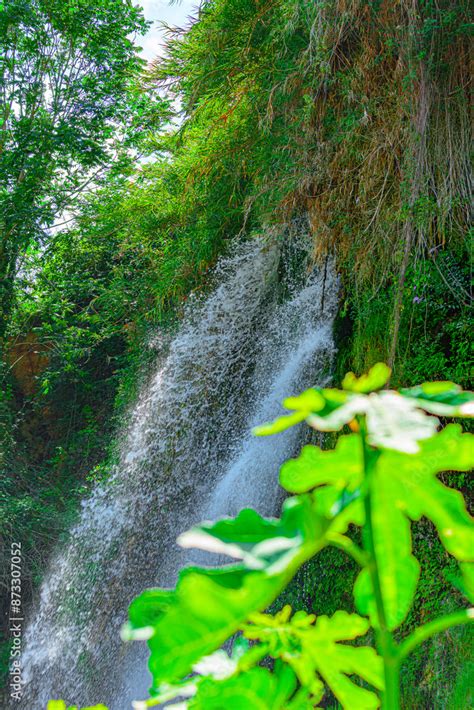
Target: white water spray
pixel 264 333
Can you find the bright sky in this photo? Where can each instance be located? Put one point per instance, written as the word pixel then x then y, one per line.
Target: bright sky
pixel 175 14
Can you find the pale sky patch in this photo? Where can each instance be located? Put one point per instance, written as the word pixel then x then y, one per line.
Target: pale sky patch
pixel 177 15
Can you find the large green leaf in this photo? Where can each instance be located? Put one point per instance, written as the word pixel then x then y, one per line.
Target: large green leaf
pixel 421 493
pixel 261 543
pixel 405 486
pixel 207 607
pixel 216 602
pixel 257 689
pixel 335 475
pixel 340 467
pixel 398 569
pixel 311 646
pixel 218 666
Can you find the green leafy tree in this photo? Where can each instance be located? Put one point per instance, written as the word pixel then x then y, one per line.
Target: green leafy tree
pixel 71 105
pixel 381 477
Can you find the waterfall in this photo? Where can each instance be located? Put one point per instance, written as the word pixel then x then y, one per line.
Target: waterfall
pixel 264 332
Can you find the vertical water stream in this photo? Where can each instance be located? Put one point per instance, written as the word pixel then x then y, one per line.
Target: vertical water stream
pixel 264 332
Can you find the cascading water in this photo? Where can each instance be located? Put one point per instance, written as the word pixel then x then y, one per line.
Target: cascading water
pixel 264 332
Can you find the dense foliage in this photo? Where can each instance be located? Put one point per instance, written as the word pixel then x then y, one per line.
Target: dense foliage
pixel 354 114
pixel 68 74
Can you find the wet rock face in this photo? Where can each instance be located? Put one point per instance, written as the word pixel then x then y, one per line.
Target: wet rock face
pixel 27 358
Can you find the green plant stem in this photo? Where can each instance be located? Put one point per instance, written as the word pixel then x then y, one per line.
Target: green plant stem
pixel 422 633
pixel 385 643
pixel 345 543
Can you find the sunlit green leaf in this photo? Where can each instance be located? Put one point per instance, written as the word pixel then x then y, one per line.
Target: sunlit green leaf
pixel 421 493
pixel 280 424
pixel 311 646
pixel 375 379
pixel 258 689
pixel 405 486
pixel 262 543
pixel 215 602
pixel 443 398
pixel 311 400
pixel 340 507
pixel 340 467
pixel 398 569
